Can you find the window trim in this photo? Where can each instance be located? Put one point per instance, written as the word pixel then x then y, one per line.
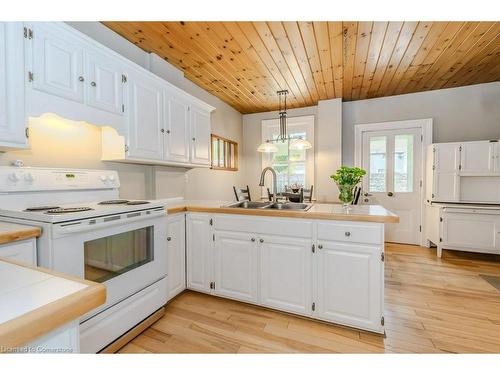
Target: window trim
pixel 308 124
pixel 217 166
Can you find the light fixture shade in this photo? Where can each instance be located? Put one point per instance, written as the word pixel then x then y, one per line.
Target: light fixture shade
pixel 267 147
pixel 300 144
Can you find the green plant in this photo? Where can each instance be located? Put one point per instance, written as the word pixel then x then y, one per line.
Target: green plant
pixel 348 176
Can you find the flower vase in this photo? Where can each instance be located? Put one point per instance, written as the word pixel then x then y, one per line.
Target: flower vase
pixel 346 194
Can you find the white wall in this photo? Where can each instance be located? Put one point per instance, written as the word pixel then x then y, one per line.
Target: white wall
pixel 467 113
pixel 72 145
pixel 328 135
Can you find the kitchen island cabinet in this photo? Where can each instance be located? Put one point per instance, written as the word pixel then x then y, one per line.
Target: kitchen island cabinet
pixel 331 270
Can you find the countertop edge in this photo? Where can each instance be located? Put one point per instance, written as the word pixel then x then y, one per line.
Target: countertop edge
pixel 19 235
pixel 288 214
pixel 38 322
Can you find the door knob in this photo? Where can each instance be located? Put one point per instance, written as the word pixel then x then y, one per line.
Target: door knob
pixel 93 84
pixel 320 247
pixel 169 238
pixel 261 240
pixel 162 130
pixel 367 194
pixel 81 79
pixel 390 194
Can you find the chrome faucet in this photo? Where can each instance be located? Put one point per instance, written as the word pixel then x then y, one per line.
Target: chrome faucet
pixel 275 188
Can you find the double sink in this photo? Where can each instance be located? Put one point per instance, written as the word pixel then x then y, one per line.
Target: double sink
pixel 271 206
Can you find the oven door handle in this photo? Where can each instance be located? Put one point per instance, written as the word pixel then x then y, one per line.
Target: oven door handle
pixel 122 219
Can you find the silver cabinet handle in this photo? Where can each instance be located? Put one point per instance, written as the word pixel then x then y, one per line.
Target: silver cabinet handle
pixel 347 234
pixel 81 79
pixel 253 239
pixel 261 240
pixel 194 139
pixel 162 130
pixel 169 238
pixel 93 84
pixel 320 247
pixel 168 131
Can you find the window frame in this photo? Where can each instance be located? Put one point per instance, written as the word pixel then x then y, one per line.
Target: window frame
pixel 215 164
pixel 294 124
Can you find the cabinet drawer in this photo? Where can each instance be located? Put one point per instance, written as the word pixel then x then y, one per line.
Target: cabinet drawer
pixel 22 251
pixel 372 233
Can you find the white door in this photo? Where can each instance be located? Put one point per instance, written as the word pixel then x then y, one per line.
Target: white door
pixel 176 255
pixel 236 274
pixel 105 82
pixel 342 298
pixel 445 171
pixel 57 63
pixel 285 274
pixel 176 129
pixel 200 136
pixel 145 116
pixel 392 159
pixel 477 158
pixel 12 120
pixel 198 252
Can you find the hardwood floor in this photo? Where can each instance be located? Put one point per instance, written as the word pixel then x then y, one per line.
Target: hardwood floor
pixel 432 305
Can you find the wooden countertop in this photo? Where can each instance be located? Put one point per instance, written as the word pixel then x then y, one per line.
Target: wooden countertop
pixel 323 211
pixel 35 301
pixel 10 232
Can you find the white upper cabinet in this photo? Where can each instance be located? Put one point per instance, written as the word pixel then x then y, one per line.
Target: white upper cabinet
pixel 355 301
pixel 12 112
pixel 445 172
pixel 200 136
pixel 236 274
pixel 177 125
pixel 286 274
pixel 57 63
pixel 477 158
pixel 144 116
pixel 105 80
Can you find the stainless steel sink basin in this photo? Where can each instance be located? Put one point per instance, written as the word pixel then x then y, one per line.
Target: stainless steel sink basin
pixel 247 204
pixel 271 206
pixel 290 206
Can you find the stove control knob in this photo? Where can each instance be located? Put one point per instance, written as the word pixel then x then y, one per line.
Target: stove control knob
pixel 111 177
pixel 103 178
pixel 28 177
pixel 14 176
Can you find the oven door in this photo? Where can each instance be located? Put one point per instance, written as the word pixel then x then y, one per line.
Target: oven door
pixel 125 252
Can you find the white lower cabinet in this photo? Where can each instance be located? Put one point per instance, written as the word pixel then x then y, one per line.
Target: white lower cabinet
pixel 236 273
pixel 285 274
pixel 176 255
pixel 65 339
pixel 332 271
pixel 350 284
pixel 21 251
pixel 199 252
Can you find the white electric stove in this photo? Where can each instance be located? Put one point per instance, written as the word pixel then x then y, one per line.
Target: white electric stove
pixel 90 232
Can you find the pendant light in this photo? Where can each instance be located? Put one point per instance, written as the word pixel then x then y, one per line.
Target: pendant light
pixel 295 143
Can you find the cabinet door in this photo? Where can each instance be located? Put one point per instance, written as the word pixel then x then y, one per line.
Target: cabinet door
pixel 341 297
pixel 285 274
pixel 236 266
pixel 176 255
pixel 200 136
pixel 145 116
pixel 446 183
pixel 470 230
pixel 57 63
pixel 477 158
pixel 176 129
pixel 105 80
pixel 199 252
pixel 12 111
pixel 22 251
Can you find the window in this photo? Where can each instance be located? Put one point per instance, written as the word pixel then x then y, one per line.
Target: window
pixel 224 153
pixel 378 163
pixel 293 167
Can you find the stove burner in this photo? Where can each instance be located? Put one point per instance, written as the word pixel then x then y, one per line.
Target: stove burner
pixel 67 210
pixel 136 203
pixel 41 208
pixel 114 201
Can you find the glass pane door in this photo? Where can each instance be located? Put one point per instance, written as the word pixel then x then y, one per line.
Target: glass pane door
pixel 114 255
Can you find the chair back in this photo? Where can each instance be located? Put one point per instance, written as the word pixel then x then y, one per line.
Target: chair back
pixel 242 194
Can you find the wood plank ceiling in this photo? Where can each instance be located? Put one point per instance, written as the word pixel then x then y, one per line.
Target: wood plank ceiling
pixel 245 63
